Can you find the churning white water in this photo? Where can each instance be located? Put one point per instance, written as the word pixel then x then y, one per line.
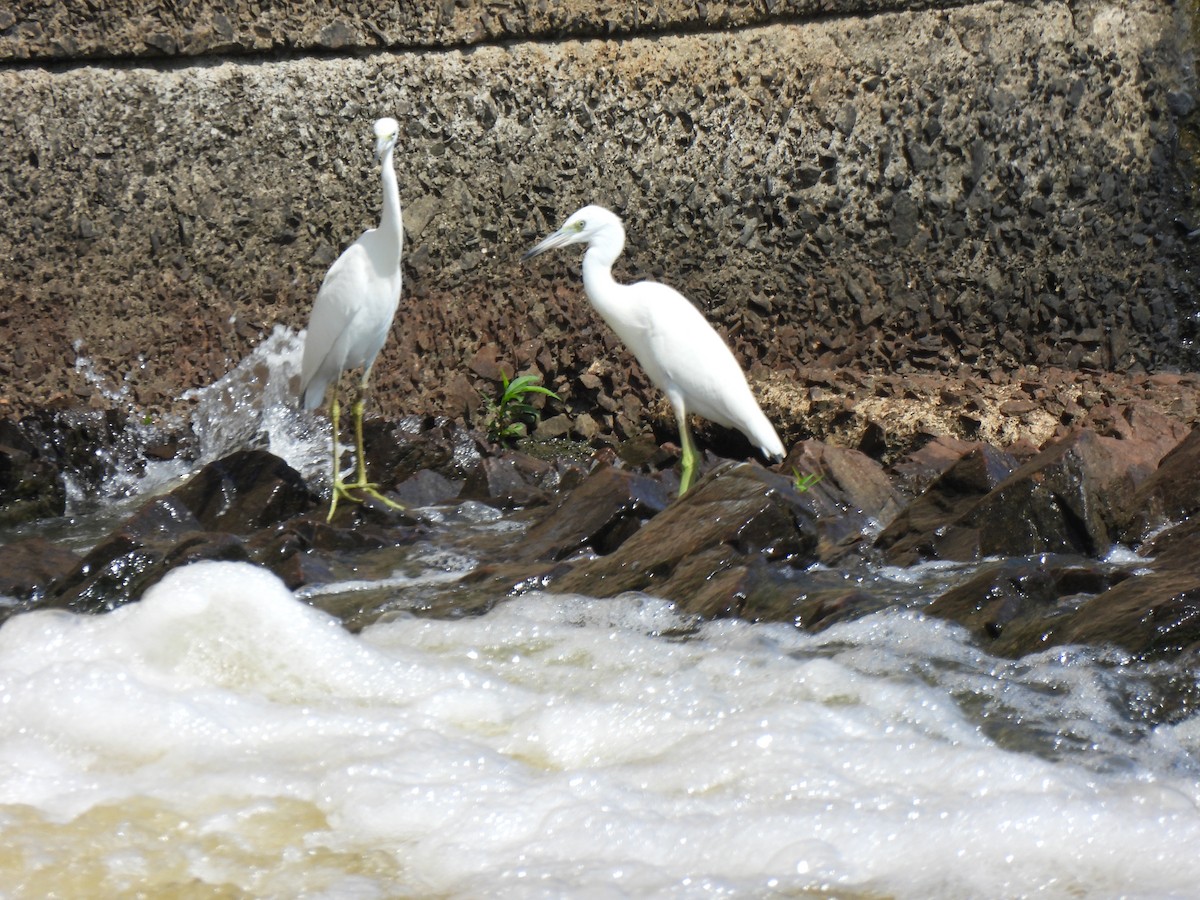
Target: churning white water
pixel 222 737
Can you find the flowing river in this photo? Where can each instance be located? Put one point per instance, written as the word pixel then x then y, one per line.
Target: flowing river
pixel 224 738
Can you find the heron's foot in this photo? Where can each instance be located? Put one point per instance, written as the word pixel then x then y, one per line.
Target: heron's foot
pixel 343 491
pixel 372 491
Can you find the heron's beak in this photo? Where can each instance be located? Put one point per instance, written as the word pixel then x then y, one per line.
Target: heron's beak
pixel 560 238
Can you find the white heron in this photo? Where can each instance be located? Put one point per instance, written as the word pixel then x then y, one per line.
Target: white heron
pixel 683 355
pixel 352 316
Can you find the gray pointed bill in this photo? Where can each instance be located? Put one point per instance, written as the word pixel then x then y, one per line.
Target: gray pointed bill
pixel 560 238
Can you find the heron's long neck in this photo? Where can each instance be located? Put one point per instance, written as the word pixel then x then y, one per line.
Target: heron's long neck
pixel 390 221
pixel 605 294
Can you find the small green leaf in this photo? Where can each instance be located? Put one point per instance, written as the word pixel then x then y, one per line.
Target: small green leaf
pixel 506 413
pixel 803 482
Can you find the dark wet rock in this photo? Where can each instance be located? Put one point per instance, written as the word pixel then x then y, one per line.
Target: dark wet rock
pixel 1022 605
pixel 40 452
pixel 28 566
pixel 130 559
pixel 350 538
pixel 1175 546
pixel 121 568
pixel 853 495
pixel 1152 613
pixel 296 568
pixel 649 455
pixel 307 549
pixel 1170 494
pixel 923 466
pixel 31 490
pixel 85 445
pixel 203 545
pixel 113 573
pixel 398 451
pixel 492 582
pixel 206 518
pixel 607 508
pixel 162 520
pixel 512 479
pixel 30 485
pixel 245 491
pixel 364 544
pixel 741 543
pixel 429 461
pixel 1065 500
pixel 709 548
pixel 427 488
pixel 932 527
pixel 817 610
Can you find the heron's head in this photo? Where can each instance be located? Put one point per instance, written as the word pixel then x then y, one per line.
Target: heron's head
pixel 387 130
pixel 584 226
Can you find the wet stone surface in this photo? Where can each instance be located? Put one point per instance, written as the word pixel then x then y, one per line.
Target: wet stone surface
pixel 1020 545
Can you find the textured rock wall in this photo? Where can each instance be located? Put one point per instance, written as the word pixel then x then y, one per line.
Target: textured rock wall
pixel 932 189
pixel 47 30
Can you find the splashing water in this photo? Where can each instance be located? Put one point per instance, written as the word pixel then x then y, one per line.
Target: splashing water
pixel 255 405
pixel 251 406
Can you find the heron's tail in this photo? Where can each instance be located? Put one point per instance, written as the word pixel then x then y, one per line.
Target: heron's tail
pixel 762 433
pixel 312 393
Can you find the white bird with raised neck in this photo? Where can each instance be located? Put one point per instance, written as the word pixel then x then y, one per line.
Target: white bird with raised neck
pixel 682 354
pixel 352 316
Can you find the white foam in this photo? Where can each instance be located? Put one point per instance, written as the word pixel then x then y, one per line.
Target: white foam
pixel 224 731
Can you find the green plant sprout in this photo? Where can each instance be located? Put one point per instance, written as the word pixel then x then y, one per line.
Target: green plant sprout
pixel 508 415
pixel 803 482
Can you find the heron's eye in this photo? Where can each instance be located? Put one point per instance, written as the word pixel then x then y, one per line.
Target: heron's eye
pixel 580 225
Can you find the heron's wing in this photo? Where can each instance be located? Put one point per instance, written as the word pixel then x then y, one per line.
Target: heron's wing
pixel 334 310
pixel 699 367
pixel 689 352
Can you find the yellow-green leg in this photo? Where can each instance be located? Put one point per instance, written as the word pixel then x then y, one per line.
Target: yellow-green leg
pixel 361 484
pixel 341 490
pixel 335 411
pixel 687 468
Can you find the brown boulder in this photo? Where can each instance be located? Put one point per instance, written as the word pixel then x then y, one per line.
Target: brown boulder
pixel 245 491
pixel 1153 613
pixel 854 494
pixel 929 527
pixel 1022 605
pixel 1170 494
pixel 707 549
pixel 237 495
pixel 607 508
pixel 27 567
pixel 919 469
pixel 30 486
pixel 1066 498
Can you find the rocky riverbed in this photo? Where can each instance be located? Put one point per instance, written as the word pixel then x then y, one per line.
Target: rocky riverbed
pixel 1049 511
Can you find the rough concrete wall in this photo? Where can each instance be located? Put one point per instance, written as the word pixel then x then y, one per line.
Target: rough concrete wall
pixel 987 186
pixel 120 29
